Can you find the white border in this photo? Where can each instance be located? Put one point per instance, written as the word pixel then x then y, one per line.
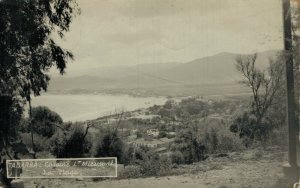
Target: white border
pixel 61 177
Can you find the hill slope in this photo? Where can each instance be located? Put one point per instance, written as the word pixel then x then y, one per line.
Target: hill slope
pixel 161 78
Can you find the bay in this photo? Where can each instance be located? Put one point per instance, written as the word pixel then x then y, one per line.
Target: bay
pixel 81 107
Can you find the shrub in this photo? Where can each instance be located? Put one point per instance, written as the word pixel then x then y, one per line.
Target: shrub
pixel 229 143
pixel 130 172
pixel 177 157
pixel 146 162
pixel 211 140
pixel 110 144
pixel 139 134
pixel 193 106
pixel 244 125
pixel 278 137
pixel 142 152
pixel 129 156
pixel 190 143
pixel 40 143
pixel 162 134
pixel 169 136
pixel 156 165
pixel 222 140
pixel 73 144
pixel 247 126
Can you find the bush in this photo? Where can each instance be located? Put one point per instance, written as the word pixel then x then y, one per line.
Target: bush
pixel 139 134
pixel 146 162
pixel 229 143
pixel 141 152
pixel 211 140
pixel 73 144
pixel 177 157
pixel 162 134
pixel 222 140
pixel 129 156
pixel 247 126
pixel 244 125
pixel 193 106
pixel 278 137
pixel 190 143
pixel 130 172
pixel 111 144
pixel 156 165
pixel 40 143
pixel 169 136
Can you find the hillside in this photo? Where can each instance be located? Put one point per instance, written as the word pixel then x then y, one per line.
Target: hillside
pixel 206 73
pixel 240 169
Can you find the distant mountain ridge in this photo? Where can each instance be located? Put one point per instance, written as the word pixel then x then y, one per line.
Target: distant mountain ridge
pixel 213 70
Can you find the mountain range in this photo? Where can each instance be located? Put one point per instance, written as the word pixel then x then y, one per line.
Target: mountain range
pixel 207 73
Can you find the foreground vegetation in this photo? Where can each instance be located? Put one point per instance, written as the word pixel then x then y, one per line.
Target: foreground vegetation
pixel 188 131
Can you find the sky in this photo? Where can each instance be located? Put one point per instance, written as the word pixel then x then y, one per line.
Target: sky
pixel 130 32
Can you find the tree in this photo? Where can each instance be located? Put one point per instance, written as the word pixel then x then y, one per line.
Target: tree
pixel 268 91
pixel 10 116
pixel 27 47
pixel 193 106
pixel 73 142
pixel 111 144
pixel 45 121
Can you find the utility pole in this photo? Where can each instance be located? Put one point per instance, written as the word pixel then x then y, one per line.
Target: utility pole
pixel 292 170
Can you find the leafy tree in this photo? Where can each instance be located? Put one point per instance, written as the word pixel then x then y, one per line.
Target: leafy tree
pixel 111 144
pixel 27 47
pixel 74 142
pixel 194 107
pixel 45 121
pixel 10 117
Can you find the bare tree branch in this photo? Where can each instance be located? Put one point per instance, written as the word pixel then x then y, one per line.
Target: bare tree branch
pixel 264 85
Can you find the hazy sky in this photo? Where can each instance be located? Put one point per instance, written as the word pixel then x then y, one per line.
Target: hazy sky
pixel 116 32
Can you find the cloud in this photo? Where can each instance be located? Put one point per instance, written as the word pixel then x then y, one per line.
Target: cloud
pixel 154 8
pixel 138 31
pixel 134 37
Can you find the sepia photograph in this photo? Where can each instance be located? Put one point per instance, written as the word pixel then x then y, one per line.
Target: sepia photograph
pixel 149 93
